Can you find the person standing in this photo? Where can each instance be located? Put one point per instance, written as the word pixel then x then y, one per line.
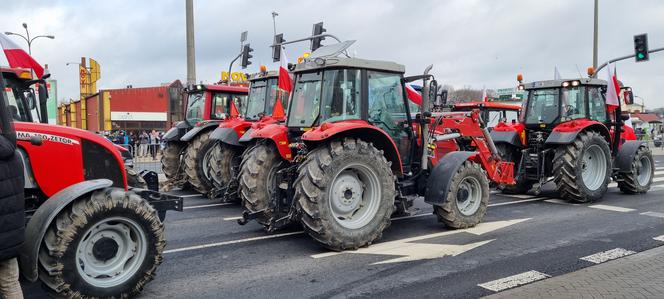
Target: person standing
pixel 154 143
pixel 143 144
pixel 12 218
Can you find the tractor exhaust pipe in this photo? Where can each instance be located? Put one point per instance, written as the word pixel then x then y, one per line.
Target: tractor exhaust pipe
pixel 426 115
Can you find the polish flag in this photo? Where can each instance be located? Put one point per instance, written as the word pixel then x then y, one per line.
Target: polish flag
pixel 413 95
pixel 484 97
pixel 612 90
pixel 285 82
pixel 17 57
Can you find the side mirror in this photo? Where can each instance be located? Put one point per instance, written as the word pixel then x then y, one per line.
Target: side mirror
pixel 443 97
pixel 30 98
pixel 629 97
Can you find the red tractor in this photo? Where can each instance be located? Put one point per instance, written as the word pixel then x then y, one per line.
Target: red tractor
pixel 88 233
pixel 351 153
pixel 188 147
pixel 567 134
pixel 265 105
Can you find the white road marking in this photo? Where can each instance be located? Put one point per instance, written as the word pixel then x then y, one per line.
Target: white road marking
pixel 208 205
pixel 190 195
pixel 608 255
pixel 653 214
pixel 232 218
pixel 409 251
pixel 561 201
pixel 521 196
pixel 232 242
pixel 513 281
pixel 516 201
pixel 612 208
pixel 659 238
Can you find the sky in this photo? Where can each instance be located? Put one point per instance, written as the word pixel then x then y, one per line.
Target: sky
pixel 474 43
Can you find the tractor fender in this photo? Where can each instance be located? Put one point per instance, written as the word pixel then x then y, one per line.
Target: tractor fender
pixel 176 132
pixel 623 161
pixel 42 218
pixel 226 135
pixel 565 133
pixel 441 176
pixel 509 137
pixel 277 133
pixel 359 129
pixel 198 129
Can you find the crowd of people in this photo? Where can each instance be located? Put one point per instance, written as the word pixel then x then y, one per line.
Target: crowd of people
pixel 140 143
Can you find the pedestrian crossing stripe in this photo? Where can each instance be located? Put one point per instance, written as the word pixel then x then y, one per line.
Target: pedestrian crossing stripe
pixel 513 281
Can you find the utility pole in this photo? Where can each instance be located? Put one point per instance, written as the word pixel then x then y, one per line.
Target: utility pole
pixel 274 22
pixel 595 33
pixel 191 49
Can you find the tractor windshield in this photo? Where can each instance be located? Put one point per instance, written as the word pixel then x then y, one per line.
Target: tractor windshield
pixel 305 103
pixel 195 107
pixel 17 100
pixel 330 96
pixel 261 91
pixel 546 106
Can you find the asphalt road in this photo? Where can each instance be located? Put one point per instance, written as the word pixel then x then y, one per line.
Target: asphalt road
pixel 210 256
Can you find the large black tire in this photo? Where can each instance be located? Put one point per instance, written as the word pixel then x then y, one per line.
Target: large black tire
pixel 569 166
pixel 636 181
pixel 223 164
pixel 171 163
pixel 135 180
pixel 467 197
pixel 509 153
pixel 328 166
pixel 79 228
pixel 257 179
pixel 195 164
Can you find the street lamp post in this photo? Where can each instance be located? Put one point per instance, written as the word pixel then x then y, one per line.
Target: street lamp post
pixel 643 104
pixel 27 37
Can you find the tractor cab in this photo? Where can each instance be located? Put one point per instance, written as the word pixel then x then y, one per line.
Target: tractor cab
pixel 336 94
pixel 263 94
pixel 24 101
pixel 214 102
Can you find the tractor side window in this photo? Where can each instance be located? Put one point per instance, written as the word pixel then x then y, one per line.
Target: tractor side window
pixel 341 95
pixel 305 100
pixel 387 109
pixel 573 103
pixel 596 104
pixel 543 106
pixel 219 101
pixel 195 107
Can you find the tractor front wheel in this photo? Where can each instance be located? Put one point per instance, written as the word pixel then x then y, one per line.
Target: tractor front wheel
pixel 223 164
pixel 345 192
pixel 170 163
pixel 258 179
pixel 106 245
pixel 467 197
pixel 196 158
pixel 582 168
pixel 639 179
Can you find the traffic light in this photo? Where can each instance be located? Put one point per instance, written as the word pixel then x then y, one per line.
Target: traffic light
pixel 246 50
pixel 641 47
pixel 276 50
pixel 318 30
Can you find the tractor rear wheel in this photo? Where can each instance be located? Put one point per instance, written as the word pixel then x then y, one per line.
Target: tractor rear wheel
pixel 108 244
pixel 640 178
pixel 196 158
pixel 582 168
pixel 345 192
pixel 467 197
pixel 258 179
pixel 510 154
pixel 170 163
pixel 223 164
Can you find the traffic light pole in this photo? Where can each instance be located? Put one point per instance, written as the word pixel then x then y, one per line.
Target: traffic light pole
pixel 623 58
pixel 305 39
pixel 231 66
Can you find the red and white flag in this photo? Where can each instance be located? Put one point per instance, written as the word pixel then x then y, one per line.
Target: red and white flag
pixel 484 97
pixel 17 57
pixel 612 89
pixel 413 95
pixel 285 81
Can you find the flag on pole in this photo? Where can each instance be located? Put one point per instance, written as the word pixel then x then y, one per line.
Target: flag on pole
pixel 484 97
pixel 18 58
pixel 612 89
pixel 556 74
pixel 285 82
pixel 413 95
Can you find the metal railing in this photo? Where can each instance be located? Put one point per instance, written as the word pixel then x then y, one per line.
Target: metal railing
pixel 146 156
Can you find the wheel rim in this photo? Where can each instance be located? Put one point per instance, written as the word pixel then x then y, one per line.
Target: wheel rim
pixel 355 196
pixel 111 252
pixel 206 161
pixel 469 196
pixel 593 167
pixel 643 171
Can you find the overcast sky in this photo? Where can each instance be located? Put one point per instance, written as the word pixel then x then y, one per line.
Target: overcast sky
pixel 470 43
